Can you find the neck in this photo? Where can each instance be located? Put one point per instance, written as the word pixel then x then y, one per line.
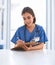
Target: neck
pixel 30 28
pixel 33 25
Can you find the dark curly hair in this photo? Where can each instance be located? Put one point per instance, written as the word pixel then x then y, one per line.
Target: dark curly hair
pixel 30 11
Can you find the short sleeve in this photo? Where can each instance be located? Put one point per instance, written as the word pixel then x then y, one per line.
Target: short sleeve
pixel 43 37
pixel 15 37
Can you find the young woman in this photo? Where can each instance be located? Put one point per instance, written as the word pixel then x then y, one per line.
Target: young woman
pixel 30 36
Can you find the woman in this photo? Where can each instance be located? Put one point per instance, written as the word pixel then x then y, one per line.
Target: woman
pixel 30 36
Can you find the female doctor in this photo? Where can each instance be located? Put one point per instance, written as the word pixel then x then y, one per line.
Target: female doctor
pixel 30 36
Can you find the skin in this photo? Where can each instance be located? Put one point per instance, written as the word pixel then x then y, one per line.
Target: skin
pixel 28 21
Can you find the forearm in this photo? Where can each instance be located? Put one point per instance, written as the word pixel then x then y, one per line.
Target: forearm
pixel 31 43
pixel 21 44
pixel 38 47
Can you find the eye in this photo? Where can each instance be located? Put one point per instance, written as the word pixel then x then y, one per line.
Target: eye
pixel 28 17
pixel 24 18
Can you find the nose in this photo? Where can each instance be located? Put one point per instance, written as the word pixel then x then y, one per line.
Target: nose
pixel 27 20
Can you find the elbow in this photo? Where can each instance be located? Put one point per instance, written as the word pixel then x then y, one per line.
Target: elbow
pixel 41 45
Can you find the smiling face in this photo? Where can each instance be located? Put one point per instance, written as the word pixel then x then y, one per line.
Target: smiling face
pixel 28 19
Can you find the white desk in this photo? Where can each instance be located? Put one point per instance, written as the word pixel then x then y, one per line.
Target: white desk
pixel 8 57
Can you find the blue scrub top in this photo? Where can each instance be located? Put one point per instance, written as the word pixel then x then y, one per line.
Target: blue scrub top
pixel 23 33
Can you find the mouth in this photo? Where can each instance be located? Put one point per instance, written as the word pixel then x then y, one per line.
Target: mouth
pixel 28 23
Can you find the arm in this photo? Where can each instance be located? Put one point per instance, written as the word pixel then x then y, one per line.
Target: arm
pixel 32 43
pixel 38 47
pixel 20 44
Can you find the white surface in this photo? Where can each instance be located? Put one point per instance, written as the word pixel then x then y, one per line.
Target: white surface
pixel 8 57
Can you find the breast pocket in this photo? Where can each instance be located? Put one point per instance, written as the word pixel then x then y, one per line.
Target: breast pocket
pixel 36 37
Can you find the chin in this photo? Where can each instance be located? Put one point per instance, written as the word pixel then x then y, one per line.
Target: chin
pixel 28 25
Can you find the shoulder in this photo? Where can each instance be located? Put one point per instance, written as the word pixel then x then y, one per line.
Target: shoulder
pixel 21 28
pixel 39 27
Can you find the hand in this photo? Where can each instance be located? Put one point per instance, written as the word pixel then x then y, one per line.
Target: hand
pixel 29 48
pixel 19 43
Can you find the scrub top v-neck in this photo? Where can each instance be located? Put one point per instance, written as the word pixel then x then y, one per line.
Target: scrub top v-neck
pixel 29 35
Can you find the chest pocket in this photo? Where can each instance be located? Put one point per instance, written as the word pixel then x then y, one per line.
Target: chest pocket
pixel 36 36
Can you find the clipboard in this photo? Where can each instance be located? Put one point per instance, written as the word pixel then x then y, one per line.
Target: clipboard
pixel 17 49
